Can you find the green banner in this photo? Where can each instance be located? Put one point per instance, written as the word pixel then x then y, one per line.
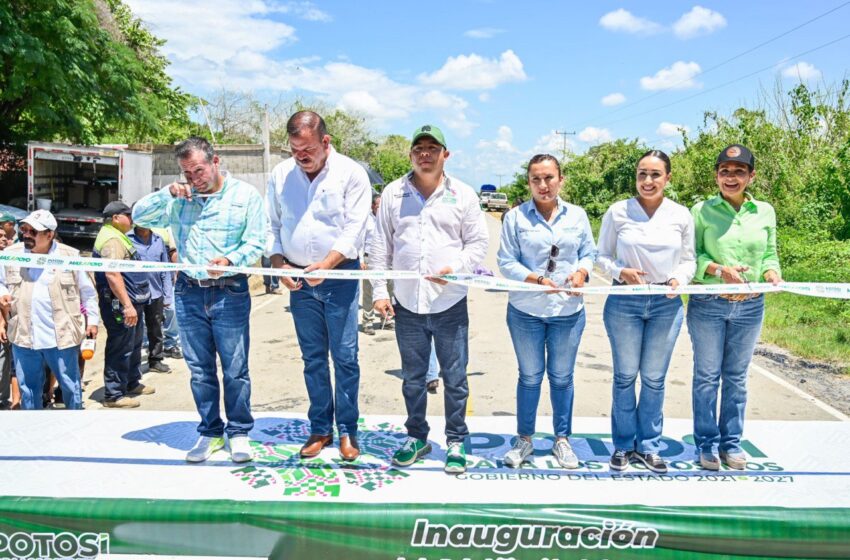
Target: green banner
pixel 48 528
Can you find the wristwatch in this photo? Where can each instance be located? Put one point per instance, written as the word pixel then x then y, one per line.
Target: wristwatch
pixel 718 271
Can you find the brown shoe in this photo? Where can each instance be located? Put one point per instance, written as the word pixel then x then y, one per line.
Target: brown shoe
pixel 141 389
pixel 349 449
pixel 315 444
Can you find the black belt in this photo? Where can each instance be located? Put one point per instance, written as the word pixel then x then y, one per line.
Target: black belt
pixel 616 282
pixel 222 282
pixel 296 265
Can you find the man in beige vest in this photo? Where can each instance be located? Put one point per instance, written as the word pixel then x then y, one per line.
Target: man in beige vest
pixel 46 324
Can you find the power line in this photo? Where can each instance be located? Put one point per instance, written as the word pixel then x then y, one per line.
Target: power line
pixel 723 63
pixel 565 134
pixel 730 82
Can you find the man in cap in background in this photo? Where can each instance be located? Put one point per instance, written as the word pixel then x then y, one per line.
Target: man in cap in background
pixel 431 223
pixel 10 395
pixel 8 230
pixel 152 248
pixel 46 325
pixel 122 297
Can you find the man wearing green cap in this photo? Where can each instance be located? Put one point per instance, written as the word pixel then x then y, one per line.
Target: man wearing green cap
pixel 8 230
pixel 431 223
pixel 10 395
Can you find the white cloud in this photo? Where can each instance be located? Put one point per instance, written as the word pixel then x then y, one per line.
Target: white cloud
pixel 671 130
pixel 216 30
pixel 678 76
pixel 229 45
pixel 502 143
pixel 625 21
pixel 553 143
pixel 483 33
pixel 493 157
pixel 613 99
pixel 593 135
pixel 802 71
pixel 304 10
pixel 473 72
pixel 484 96
pixel 699 21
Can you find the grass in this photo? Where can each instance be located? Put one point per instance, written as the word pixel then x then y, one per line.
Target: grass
pixel 810 327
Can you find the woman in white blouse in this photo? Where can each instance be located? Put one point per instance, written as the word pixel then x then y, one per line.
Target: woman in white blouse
pixel 648 239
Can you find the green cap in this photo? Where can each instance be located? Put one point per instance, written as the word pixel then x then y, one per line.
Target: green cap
pixel 7 217
pixel 429 130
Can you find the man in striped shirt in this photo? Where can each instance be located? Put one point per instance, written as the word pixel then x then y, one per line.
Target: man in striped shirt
pixel 216 220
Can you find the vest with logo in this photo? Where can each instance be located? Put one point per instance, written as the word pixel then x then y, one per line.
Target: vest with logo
pixel 136 283
pixel 68 321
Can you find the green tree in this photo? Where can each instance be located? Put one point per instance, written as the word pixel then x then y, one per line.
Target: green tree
pixel 83 71
pixel 602 175
pixel 391 159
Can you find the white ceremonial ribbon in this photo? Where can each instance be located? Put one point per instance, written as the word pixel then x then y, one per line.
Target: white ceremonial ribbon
pixel 88 264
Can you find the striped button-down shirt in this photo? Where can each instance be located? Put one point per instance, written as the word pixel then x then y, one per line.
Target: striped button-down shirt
pixel 231 224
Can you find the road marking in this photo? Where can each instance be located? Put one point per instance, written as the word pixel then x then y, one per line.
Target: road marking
pixel 800 393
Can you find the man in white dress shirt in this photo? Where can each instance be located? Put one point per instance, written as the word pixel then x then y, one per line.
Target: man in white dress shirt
pixel 318 202
pixel 431 223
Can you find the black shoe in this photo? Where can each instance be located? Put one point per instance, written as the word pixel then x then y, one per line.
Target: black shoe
pixel 433 385
pixel 174 352
pixel 652 461
pixel 619 460
pixel 161 367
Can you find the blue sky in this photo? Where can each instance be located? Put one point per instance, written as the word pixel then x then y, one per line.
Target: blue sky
pixel 501 77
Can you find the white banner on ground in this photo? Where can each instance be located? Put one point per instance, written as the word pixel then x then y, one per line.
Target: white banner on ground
pixel 141 454
pixel 30 260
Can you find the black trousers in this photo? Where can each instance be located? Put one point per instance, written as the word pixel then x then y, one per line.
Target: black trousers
pixel 123 355
pixel 153 322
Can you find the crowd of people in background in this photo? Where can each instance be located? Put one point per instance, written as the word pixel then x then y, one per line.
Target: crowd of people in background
pixel 321 213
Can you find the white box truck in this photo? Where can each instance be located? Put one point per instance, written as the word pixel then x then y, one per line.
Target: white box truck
pixel 77 182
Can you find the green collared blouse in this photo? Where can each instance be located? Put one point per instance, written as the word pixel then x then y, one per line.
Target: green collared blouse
pixel 746 237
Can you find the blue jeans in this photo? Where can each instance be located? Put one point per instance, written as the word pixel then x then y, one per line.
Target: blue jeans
pixel 170 330
pixel 550 345
pixel 29 367
pixel 122 360
pixel 326 321
pixel 642 331
pixel 215 320
pixel 272 282
pixel 724 335
pixel 449 330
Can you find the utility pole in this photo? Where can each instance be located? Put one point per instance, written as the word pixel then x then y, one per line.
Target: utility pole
pixel 500 175
pixel 565 134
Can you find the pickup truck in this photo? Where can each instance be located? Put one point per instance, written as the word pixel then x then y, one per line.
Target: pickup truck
pixel 498 202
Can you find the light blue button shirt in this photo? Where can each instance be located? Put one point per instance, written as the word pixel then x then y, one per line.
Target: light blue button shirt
pixel 231 223
pixel 526 244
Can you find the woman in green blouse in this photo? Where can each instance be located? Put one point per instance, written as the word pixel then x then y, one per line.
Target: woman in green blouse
pixel 735 243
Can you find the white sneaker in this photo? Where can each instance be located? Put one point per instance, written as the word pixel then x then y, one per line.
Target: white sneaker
pixel 204 447
pixel 521 450
pixel 564 455
pixel 240 449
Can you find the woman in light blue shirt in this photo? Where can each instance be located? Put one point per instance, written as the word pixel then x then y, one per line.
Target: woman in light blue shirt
pixel 548 242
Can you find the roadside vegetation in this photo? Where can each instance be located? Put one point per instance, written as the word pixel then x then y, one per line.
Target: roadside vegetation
pixel 801 139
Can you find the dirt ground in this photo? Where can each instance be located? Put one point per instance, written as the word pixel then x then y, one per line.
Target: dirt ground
pixel 278 385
